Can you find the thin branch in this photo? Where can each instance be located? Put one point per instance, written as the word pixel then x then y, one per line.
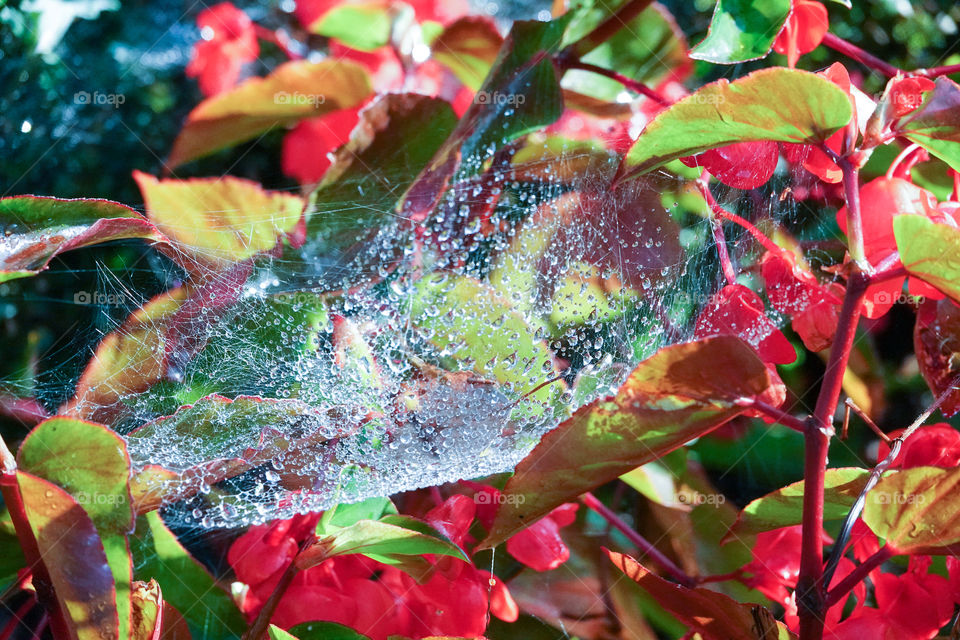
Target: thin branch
pixel 852 406
pixel 857 576
pixel 851 191
pixel 637 540
pixel 629 83
pixel 936 72
pixel 781 416
pixel 866 59
pixel 258 629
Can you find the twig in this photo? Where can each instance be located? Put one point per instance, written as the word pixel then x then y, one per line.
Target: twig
pixel 936 72
pixel 856 576
pixel 259 627
pixel 629 83
pixel 852 406
pixel 851 191
pixel 637 540
pixel 781 416
pixel 866 59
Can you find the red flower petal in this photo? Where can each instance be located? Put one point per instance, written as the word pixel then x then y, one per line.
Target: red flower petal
pixel 936 445
pixel 306 147
pixel 453 517
pixel 217 61
pixel 540 546
pixel 803 31
pixel 738 311
pixel 906 94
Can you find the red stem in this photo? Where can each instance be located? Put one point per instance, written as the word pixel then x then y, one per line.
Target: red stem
pixel 766 242
pixel 259 627
pixel 629 83
pixel 855 577
pixel 810 593
pixel 866 59
pixel 645 547
pixel 935 72
pixel 851 192
pixel 781 416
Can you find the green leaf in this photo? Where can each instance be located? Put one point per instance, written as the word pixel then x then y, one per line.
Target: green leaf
pixel 325 631
pixel 490 334
pixel 363 26
pixel 778 104
pixel 293 91
pixel 930 251
pixel 36 229
pixel 186 584
pixel 783 507
pixel 352 225
pixel 917 510
pixel 219 221
pixel 709 613
pixel 344 515
pixel 90 462
pixel 648 49
pixel 935 125
pixel 391 536
pixel 678 394
pixel 276 633
pixel 73 555
pixel 742 30
pixel 11 560
pixel 468 47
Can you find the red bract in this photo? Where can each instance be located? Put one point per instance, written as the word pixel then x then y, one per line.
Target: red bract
pixel 306 149
pixel 803 31
pixel 540 546
pixel 813 308
pixel 229 41
pixel 738 311
pixel 935 445
pixel 880 200
pixel 906 94
pixel 742 165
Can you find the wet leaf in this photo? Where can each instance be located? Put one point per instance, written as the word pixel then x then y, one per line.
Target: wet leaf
pixel 711 614
pixel 930 251
pixel 783 507
pixel 36 229
pixel 186 584
pixel 936 343
pixel 741 30
pixel 219 221
pixel 917 510
pixel 468 47
pixel 74 557
pixel 935 125
pixel 388 537
pixel 295 90
pixel 669 399
pixel 778 104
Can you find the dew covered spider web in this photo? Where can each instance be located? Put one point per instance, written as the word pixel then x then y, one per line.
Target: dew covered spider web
pixel 418 351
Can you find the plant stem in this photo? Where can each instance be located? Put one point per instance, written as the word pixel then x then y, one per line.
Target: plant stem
pixel 810 593
pixel 856 576
pixel 10 489
pixel 629 83
pixel 606 29
pixel 866 59
pixel 259 627
pixel 781 416
pixel 637 540
pixel 935 72
pixel 851 192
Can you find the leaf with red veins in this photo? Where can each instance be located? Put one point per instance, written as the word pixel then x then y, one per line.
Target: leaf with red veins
pixel 738 311
pixel 307 147
pixel 803 31
pixel 228 42
pixel 936 342
pixel 742 165
pixel 540 546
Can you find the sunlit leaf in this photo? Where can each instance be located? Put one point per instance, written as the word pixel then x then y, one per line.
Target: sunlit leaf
pixel 74 557
pixel 917 510
pixel 741 30
pixel 778 104
pixel 295 90
pixel 363 25
pixel 344 515
pixel 711 614
pixel 468 47
pixel 186 584
pixel 935 125
pixel 670 398
pixel 35 229
pixel 147 610
pixel 783 507
pixel 930 251
pixel 391 535
pixel 219 221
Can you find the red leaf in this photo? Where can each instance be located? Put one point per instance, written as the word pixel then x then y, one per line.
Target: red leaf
pixel 738 311
pixel 906 94
pixel 803 31
pixel 229 41
pixel 936 342
pixel 540 546
pixel 306 148
pixel 742 165
pixel 935 445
